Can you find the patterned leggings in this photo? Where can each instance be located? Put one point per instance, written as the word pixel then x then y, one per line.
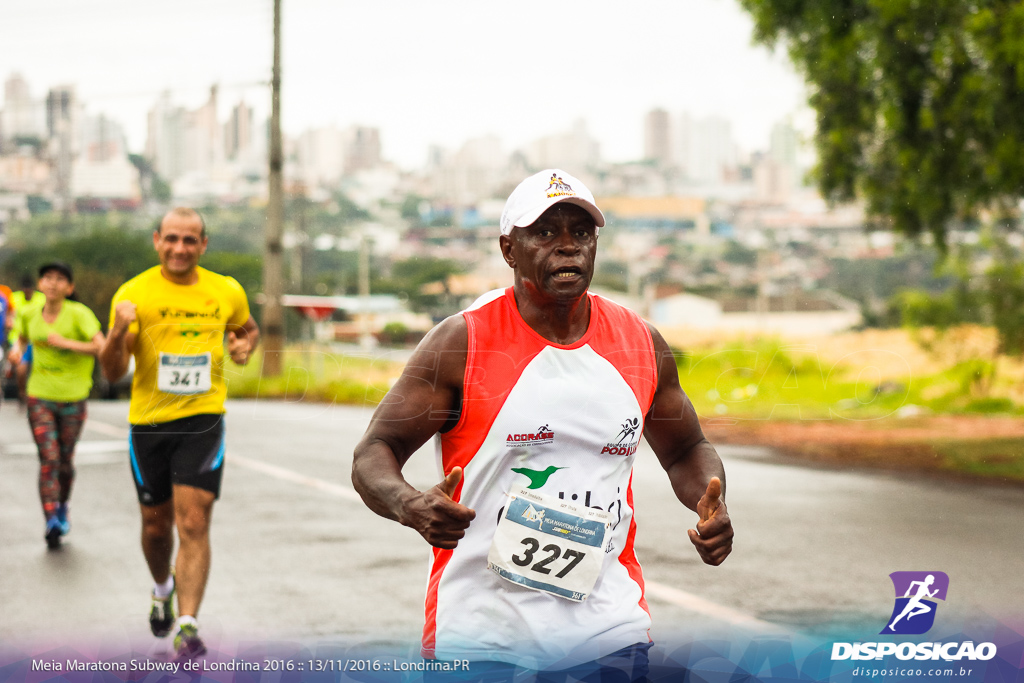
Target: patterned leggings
pixel 55 427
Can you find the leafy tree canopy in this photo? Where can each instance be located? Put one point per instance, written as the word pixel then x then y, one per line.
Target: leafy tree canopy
pixel 102 259
pixel 918 103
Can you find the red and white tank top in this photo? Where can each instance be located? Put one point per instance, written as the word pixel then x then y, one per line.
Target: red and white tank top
pixel 567 417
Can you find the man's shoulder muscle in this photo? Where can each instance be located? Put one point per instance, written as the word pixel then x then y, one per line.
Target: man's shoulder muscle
pixel 445 349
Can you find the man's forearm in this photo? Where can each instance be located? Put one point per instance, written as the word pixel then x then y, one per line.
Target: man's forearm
pixel 378 480
pixel 114 355
pixel 253 339
pixel 691 473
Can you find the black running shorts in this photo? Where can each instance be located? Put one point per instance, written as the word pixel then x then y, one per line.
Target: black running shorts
pixel 189 451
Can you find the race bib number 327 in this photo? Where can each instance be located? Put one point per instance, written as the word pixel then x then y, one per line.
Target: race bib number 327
pixel 547 544
pixel 184 374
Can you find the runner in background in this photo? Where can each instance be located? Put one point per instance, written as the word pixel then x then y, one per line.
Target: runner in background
pixel 177 319
pixel 6 316
pixel 7 368
pixel 23 300
pixel 65 337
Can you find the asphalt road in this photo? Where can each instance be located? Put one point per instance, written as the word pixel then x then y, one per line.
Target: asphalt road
pixel 298 558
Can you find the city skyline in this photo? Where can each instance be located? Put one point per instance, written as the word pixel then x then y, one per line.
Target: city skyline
pixel 424 78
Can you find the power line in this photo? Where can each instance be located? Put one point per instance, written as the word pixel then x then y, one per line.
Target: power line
pixel 177 90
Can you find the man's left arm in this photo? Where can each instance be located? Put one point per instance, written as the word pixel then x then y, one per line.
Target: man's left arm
pixel 692 463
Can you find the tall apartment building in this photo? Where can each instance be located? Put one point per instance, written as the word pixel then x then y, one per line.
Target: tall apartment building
pixel 103 139
pixel 76 156
pixel 102 169
pixel 239 132
pixel 165 138
pixel 710 148
pixel 204 138
pixel 473 173
pixel 324 155
pixel 362 149
pixel 195 144
pixel 702 149
pixel 784 148
pixel 658 138
pixel 62 126
pixel 320 156
pixel 575 150
pixel 22 116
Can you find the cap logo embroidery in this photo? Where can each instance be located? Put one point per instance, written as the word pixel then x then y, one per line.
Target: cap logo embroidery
pixel 558 187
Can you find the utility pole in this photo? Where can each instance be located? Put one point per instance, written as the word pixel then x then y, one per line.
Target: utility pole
pixel 366 339
pixel 273 313
pixel 298 260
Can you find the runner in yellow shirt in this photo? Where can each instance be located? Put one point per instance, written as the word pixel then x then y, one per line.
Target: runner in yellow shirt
pixel 23 300
pixel 176 319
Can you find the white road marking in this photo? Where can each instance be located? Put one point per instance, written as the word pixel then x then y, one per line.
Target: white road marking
pixel 281 473
pixel 695 603
pixel 86 452
pixel 296 478
pixel 108 429
pixel 654 589
pixel 82 447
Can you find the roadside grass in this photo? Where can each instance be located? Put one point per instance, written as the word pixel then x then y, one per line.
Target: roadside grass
pixel 863 406
pixel 776 380
pixel 316 374
pixel 991 458
pixel 765 379
pixel 866 409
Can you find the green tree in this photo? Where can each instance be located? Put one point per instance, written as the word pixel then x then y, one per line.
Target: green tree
pixel 987 287
pixel 918 103
pixel 1004 297
pixel 411 208
pixel 153 186
pixel 101 257
pixel 409 277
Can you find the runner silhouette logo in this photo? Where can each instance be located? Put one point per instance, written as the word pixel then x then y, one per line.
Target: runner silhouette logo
pixel 916 593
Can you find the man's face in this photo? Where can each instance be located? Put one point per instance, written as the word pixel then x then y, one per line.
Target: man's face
pixel 55 285
pixel 179 243
pixel 554 257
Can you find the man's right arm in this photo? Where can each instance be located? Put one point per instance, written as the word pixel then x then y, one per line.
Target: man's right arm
pixel 425 400
pixel 120 343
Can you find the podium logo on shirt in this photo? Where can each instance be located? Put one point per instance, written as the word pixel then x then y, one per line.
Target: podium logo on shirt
pixel 625 444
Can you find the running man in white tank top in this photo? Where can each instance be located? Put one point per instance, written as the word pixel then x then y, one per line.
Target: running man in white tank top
pixel 538 396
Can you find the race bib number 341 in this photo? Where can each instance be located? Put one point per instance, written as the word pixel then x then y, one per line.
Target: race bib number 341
pixel 184 374
pixel 547 544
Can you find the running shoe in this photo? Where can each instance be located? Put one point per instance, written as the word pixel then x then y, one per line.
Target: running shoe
pixel 161 613
pixel 62 516
pixel 187 642
pixel 52 533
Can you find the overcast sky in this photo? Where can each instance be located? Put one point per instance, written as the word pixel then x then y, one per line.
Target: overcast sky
pixel 435 72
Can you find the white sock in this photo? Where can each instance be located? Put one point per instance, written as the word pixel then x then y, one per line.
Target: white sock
pixel 162 590
pixel 186 619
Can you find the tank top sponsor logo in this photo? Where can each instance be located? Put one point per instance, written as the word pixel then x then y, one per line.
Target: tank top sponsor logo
pixel 626 444
pixel 537 477
pixel 613 508
pixel 176 313
pixel 538 437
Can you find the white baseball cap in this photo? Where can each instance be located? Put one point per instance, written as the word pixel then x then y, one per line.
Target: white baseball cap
pixel 540 192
